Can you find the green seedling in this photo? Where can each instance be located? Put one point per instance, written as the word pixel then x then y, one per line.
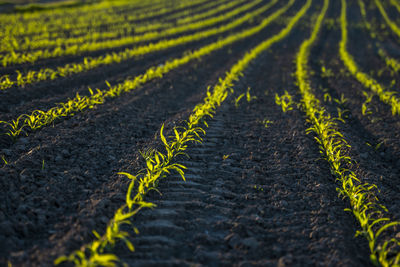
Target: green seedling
pixel 375 147
pixel 267 123
pixel 4 160
pixel 285 101
pixel 326 73
pixel 341 101
pixel 341 114
pixel 238 99
pixel 327 98
pixel 249 97
pixel 365 108
pixel 258 188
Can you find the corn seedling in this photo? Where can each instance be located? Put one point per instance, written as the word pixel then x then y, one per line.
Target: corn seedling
pixel 327 98
pixel 267 123
pixel 326 73
pixel 237 99
pixel 258 188
pixel 341 101
pixel 285 101
pixel 249 97
pixel 366 108
pixel 4 160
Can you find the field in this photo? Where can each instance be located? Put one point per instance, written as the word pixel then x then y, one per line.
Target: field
pixel 200 133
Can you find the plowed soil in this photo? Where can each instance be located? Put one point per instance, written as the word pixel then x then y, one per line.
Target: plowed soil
pixel 254 195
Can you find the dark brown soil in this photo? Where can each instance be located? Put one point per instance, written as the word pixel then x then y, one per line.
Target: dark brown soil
pixel 255 195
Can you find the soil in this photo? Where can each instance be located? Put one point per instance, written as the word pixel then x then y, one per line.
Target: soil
pixel 254 195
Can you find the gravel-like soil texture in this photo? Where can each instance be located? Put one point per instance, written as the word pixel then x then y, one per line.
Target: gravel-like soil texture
pixel 257 191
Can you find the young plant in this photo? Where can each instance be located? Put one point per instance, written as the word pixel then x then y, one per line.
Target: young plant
pixel 365 108
pixel 249 97
pixel 285 101
pixel 237 99
pixel 267 123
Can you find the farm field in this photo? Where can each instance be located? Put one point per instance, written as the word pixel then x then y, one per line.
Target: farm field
pixel 200 133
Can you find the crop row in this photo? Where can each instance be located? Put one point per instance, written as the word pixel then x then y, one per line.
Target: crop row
pixel 115 30
pixel 363 200
pixel 159 164
pixel 390 62
pixel 56 13
pixel 82 12
pixel 388 21
pixel 38 118
pixel 15 46
pixel 111 58
pixel 38 27
pixel 18 25
pixel 386 96
pixel 76 49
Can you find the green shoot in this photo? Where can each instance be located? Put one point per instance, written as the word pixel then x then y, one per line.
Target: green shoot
pixel 4 160
pixel 267 123
pixel 285 101
pixel 238 99
pixel 249 97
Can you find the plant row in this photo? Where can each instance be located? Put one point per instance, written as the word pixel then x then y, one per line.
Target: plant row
pixel 115 29
pixel 392 25
pixel 38 118
pixel 388 97
pixel 364 203
pixel 112 58
pixel 76 24
pixel 160 164
pixel 76 49
pixel 390 62
pixel 47 40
